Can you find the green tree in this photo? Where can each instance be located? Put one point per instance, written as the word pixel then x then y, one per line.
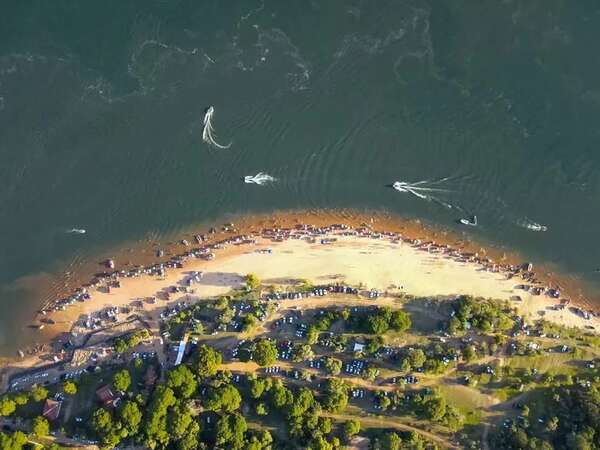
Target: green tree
pixel 302 353
pixel 325 425
pixel 21 399
pixel 7 406
pixel 15 441
pixel 225 398
pixel 417 358
pixel 434 408
pixel 122 380
pixel 552 424
pixel 261 409
pixel 400 321
pixel 69 388
pixel 384 403
pixel 373 345
pixel 377 324
pixel 260 441
pixel 389 441
pixel 333 365
pixel 179 419
pixel 469 354
pixel 155 425
pixel 336 395
pixel 454 325
pixel 371 373
pixel 252 282
pixel 312 335
pixel 207 361
pixel 301 403
pixel 319 443
pixel 182 381
pixel 405 365
pixel 265 352
pixel 102 421
pixel 230 431
pixel 39 393
pixel 280 395
pixel 249 322
pixel 351 428
pixel 40 427
pixel 189 441
pixel 258 386
pixel 130 416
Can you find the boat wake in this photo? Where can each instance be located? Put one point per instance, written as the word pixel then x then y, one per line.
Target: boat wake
pixel 260 178
pixel 425 190
pixel 532 226
pixel 208 132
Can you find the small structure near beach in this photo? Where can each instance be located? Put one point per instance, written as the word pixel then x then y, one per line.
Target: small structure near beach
pixel 51 409
pixel 107 396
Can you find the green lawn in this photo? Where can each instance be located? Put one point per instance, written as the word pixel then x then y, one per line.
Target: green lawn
pixel 557 363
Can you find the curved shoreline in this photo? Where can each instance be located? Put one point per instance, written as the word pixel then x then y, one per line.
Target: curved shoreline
pixel 144 253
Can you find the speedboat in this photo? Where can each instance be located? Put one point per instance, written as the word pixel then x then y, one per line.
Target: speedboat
pixel 537 227
pixel 77 230
pixel 260 178
pixel 471 221
pixel 400 186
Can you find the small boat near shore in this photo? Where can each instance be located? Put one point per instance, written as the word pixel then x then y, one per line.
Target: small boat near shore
pixel 471 221
pixel 537 227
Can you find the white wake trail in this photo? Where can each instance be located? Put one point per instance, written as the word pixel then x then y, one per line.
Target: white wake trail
pixel 423 190
pixel 531 225
pixel 260 178
pixel 208 132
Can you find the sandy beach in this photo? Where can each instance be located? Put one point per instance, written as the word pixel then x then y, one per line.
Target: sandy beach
pixel 387 265
pixel 442 264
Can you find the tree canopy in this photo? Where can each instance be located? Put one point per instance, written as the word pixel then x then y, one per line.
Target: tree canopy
pixel 182 381
pixel 122 380
pixel 39 393
pixel 69 387
pixel 265 352
pixel 7 406
pixel 206 361
pixel 225 398
pixel 40 427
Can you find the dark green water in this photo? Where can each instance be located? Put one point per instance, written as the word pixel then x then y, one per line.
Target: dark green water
pixel 101 108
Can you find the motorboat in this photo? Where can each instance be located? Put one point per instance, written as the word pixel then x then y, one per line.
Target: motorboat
pixel 400 186
pixel 537 227
pixel 260 178
pixel 471 221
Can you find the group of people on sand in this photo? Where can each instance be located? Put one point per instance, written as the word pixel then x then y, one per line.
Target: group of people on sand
pixel 206 250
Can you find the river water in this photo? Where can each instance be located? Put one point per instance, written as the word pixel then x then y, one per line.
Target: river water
pixel 494 105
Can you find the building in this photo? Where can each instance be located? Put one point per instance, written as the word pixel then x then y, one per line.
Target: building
pixel 51 409
pixel 181 350
pixel 107 396
pixel 358 347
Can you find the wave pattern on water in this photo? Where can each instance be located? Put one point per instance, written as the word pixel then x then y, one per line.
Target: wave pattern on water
pixel 98 135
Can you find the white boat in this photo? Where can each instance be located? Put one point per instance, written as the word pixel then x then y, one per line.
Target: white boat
pixel 260 178
pixel 77 230
pixel 400 186
pixel 471 221
pixel 537 227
